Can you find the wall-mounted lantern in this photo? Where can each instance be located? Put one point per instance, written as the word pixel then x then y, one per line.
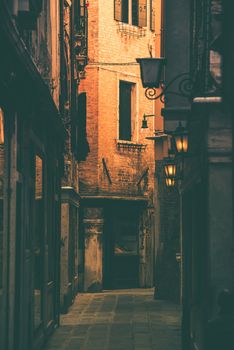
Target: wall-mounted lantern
pixel 170 167
pixel 144 124
pixel 151 71
pixel 180 136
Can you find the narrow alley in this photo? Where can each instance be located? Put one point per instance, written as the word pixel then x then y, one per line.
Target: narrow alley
pixel 119 320
pixel 116 175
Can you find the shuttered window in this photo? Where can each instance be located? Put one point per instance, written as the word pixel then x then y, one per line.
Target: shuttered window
pixel 142 13
pixel 152 15
pixel 121 10
pixel 138 14
pixel 118 10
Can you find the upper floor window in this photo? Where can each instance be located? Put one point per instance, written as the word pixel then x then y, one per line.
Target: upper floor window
pixel 82 141
pixel 152 14
pixel 28 12
pixel 126 110
pixel 131 11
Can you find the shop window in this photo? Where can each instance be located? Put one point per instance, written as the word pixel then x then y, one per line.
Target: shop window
pixel 2 159
pixel 131 11
pixel 126 108
pixel 38 240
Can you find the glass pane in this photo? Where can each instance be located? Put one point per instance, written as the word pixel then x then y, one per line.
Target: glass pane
pixel 1 208
pixel 125 110
pixel 37 241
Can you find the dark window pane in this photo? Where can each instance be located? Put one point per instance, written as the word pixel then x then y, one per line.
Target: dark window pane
pixel 135 12
pixel 125 11
pixel 82 141
pixel 125 102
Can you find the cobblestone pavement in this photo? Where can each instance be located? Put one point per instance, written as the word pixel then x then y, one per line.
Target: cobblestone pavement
pixel 119 320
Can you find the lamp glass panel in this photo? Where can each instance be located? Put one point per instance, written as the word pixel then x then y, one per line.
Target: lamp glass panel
pixel 170 170
pixel 170 182
pixel 185 143
pixel 181 142
pixel 151 69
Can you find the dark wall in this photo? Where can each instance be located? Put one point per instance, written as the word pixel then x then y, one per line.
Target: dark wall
pixel 177 46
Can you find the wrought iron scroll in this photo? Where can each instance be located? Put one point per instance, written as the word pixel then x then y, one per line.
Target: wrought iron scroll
pixel 184 87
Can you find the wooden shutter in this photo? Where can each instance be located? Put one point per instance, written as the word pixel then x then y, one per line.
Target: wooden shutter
pixel 152 14
pixel 142 13
pixel 118 10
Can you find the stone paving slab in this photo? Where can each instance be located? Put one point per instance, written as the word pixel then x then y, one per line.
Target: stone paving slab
pixel 118 320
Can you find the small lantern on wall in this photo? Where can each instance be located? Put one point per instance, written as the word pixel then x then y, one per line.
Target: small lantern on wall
pixel 181 139
pixel 170 169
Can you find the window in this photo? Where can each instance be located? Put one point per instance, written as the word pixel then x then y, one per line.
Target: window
pixel 131 11
pixel 82 141
pixel 152 15
pixel 126 99
pixel 28 12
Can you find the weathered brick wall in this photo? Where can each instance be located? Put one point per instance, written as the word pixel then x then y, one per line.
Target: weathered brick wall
pixel 88 170
pixel 124 166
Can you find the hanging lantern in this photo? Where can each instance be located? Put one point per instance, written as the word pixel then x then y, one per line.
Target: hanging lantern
pixel 181 139
pixel 170 182
pixel 170 168
pixel 151 71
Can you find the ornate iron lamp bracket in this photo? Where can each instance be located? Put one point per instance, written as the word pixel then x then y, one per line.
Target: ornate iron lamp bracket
pixel 185 87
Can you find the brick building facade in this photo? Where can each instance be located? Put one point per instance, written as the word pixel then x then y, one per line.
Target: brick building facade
pixel 118 192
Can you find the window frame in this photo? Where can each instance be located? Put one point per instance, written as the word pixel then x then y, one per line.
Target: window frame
pixel 139 19
pixel 132 105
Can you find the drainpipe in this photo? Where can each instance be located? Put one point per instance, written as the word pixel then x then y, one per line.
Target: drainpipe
pixel 62 71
